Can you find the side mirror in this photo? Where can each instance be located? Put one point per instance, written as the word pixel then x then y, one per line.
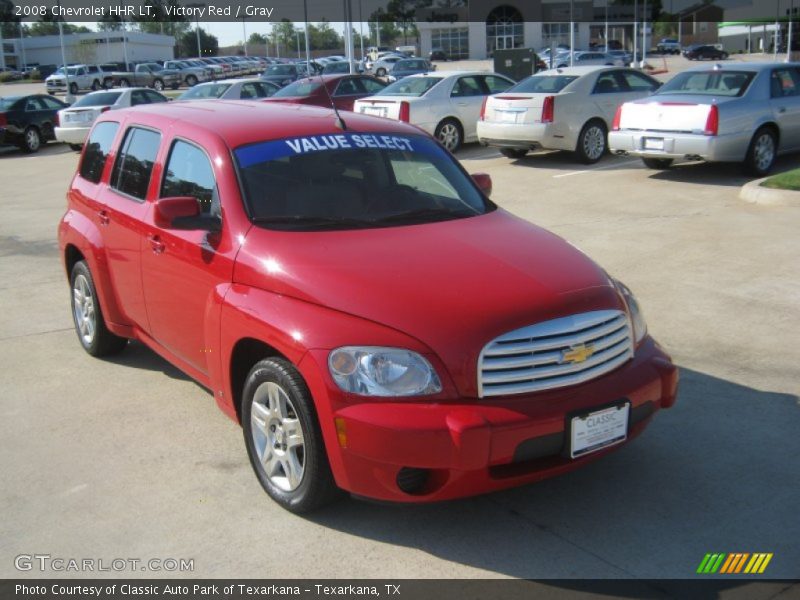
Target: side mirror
pixel 183 212
pixel 484 182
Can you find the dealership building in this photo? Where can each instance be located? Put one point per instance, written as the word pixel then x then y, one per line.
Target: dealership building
pixel 88 48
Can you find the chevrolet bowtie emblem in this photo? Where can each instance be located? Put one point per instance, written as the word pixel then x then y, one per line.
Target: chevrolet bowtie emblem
pixel 577 354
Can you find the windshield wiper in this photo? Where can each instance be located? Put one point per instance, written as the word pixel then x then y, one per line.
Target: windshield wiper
pixel 306 221
pixel 423 215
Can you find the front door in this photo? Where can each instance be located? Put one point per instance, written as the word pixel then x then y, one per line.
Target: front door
pixel 785 100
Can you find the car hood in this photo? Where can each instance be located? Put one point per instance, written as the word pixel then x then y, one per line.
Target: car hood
pixel 452 285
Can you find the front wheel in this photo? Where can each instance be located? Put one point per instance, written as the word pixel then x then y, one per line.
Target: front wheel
pixel 124 83
pixel 761 152
pixel 87 315
pixel 31 140
pixel 591 142
pixel 283 437
pixel 513 152
pixel 73 88
pixel 448 132
pixel 95 85
pixel 191 81
pixel 658 164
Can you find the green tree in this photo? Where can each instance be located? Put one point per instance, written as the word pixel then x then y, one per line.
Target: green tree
pixel 109 23
pixel 256 39
pixel 8 20
pixel 324 37
pixel 187 45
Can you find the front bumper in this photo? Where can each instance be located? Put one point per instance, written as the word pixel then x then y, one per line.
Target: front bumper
pixel 72 135
pixel 449 449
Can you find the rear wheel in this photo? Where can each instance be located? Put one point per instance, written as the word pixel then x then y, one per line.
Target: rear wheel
pixel 381 72
pixel 761 152
pixel 31 140
pixel 592 142
pixel 76 147
pixel 90 326
pixel 158 85
pixel 95 85
pixel 448 132
pixel 658 164
pixel 283 437
pixel 513 152
pixel 191 80
pixel 73 88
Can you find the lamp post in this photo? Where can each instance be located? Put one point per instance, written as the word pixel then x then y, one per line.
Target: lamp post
pixel 606 32
pixel 305 24
pixel 789 35
pixel 244 37
pixel 21 45
pixel 197 24
pixel 571 35
pixel 635 31
pixel 361 29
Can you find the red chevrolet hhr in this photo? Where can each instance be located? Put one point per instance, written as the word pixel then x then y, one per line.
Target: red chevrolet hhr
pixel 354 299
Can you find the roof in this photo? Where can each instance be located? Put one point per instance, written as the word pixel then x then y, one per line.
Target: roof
pixel 741 66
pixel 451 73
pixel 239 122
pixel 581 70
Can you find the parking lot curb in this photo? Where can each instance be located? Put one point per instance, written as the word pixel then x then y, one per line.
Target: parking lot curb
pixel 758 194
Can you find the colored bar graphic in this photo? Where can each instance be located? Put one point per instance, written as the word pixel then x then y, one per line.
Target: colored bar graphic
pixel 729 564
pixel 726 567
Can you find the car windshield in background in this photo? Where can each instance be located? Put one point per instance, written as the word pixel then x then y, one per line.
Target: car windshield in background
pixel 199 92
pixel 298 88
pixel 354 181
pixel 281 70
pixel 101 99
pixel 543 84
pixel 5 103
pixel 711 83
pixel 412 86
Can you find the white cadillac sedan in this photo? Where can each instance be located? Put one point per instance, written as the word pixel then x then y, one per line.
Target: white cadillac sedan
pixel 561 109
pixel 231 89
pixel 446 104
pixel 76 121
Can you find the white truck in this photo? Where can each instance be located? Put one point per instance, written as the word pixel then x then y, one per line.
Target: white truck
pixel 81 77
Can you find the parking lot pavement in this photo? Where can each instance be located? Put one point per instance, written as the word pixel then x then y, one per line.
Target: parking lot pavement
pixel 129 458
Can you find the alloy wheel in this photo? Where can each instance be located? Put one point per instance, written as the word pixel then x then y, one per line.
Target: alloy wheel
pixel 764 152
pixel 594 142
pixel 449 136
pixel 83 308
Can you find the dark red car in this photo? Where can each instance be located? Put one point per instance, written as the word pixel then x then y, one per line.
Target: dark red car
pixel 355 300
pixel 344 90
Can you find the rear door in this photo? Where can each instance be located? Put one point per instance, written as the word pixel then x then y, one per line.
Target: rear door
pixel 609 91
pixel 466 99
pixel 785 103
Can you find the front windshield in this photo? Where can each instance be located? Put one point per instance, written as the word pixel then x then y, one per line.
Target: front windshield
pixel 5 103
pixel 543 84
pixel 201 92
pixel 354 181
pixel 306 87
pixel 98 99
pixel 411 86
pixel 708 83
pixel 70 71
pixel 280 70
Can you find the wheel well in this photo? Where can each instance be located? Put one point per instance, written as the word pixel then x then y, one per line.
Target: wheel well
pixel 598 120
pixel 454 120
pixel 71 256
pixel 246 353
pixel 775 129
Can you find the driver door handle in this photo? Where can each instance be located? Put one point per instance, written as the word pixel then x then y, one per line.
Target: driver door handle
pixel 156 244
pixel 102 215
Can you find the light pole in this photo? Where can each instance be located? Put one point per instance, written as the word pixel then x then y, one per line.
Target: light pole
pixel 635 31
pixel 21 44
pixel 644 33
pixel 606 33
pixel 571 35
pixel 244 37
pixel 197 24
pixel 305 24
pixel 360 30
pixel 789 35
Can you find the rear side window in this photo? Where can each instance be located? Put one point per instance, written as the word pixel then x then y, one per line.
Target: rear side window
pixel 97 148
pixel 543 84
pixel 711 83
pixel 189 173
pixel 134 164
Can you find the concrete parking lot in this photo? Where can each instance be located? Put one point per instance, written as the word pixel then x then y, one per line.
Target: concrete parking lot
pixel 129 458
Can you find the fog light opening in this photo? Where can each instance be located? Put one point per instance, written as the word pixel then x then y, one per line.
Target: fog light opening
pixel 413 481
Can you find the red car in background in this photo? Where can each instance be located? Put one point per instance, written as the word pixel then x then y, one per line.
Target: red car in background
pixel 343 90
pixel 354 299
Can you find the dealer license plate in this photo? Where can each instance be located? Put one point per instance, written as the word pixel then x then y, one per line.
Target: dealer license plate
pixel 507 116
pixel 653 143
pixel 378 111
pixel 599 429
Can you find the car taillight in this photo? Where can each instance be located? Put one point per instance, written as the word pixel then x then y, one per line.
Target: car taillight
pixel 617 119
pixel 483 108
pixel 405 112
pixel 712 121
pixel 57 120
pixel 3 120
pixel 105 108
pixel 548 109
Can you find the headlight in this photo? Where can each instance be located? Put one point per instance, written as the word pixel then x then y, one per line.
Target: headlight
pixel 378 371
pixel 637 318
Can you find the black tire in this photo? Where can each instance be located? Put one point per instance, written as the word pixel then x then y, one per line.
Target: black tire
pixel 191 80
pixel 450 134
pixel 759 158
pixel 657 164
pixel 175 86
pixel 316 486
pixel 592 142
pixel 158 85
pixel 101 342
pixel 95 85
pixel 52 93
pixel 124 83
pixel 76 147
pixel 381 72
pixel 513 152
pixel 73 88
pixel 31 140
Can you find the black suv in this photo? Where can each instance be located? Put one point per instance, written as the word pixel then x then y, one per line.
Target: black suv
pixel 705 52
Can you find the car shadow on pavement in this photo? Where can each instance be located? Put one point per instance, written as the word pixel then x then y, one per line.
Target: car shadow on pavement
pixel 49 148
pixel 716 473
pixel 723 174
pixel 138 356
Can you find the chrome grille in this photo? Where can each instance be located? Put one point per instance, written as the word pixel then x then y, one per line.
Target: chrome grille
pixel 532 359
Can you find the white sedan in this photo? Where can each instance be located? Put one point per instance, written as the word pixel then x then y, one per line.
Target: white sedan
pixel 231 89
pixel 446 105
pixel 76 121
pixel 561 109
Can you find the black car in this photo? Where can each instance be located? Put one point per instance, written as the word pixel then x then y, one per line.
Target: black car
pixel 284 74
pixel 340 66
pixel 705 52
pixel 411 66
pixel 29 121
pixel 437 54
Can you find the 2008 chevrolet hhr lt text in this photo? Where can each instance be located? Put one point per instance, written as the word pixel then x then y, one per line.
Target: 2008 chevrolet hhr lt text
pixel 354 299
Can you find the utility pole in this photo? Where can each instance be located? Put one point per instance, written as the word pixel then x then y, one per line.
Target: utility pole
pixel 571 34
pixel 789 35
pixel 635 31
pixel 308 49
